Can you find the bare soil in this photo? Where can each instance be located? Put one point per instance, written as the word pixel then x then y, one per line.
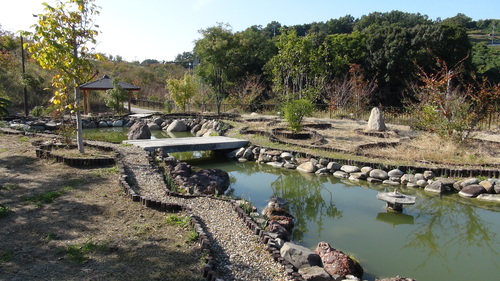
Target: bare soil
pixel 67 223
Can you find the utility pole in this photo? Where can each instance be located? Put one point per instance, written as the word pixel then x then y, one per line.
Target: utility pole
pixel 24 82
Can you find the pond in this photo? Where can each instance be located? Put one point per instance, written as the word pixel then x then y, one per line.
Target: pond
pixel 438 238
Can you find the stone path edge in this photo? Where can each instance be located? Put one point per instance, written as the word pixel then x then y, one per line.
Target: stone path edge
pixel 210 267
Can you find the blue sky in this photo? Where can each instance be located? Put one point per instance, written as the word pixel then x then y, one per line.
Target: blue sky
pixel 161 29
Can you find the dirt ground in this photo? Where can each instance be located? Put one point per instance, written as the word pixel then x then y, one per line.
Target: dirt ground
pixel 90 231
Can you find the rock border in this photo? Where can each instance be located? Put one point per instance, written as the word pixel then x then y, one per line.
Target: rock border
pixel 450 172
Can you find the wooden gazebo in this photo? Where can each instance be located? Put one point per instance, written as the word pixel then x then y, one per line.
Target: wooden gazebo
pixel 103 84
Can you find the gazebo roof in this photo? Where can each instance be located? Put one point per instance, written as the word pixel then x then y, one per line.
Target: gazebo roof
pixel 105 84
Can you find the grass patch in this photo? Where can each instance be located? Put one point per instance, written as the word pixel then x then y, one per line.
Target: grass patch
pixel 9 187
pixel 4 211
pixel 143 229
pixel 23 139
pixel 44 198
pixel 173 219
pixel 6 256
pixel 182 221
pixel 79 253
pixel 3 150
pixel 105 172
pixel 49 237
pixel 193 236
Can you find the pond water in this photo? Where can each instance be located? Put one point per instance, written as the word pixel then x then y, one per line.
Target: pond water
pixel 438 238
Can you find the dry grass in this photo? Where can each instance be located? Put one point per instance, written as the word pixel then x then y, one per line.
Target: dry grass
pixel 89 231
pixel 415 148
pixel 431 148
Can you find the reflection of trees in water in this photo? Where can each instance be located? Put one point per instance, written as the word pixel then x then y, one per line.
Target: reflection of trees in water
pixel 306 203
pixel 443 222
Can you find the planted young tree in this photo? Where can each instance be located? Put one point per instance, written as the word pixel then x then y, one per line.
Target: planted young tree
pixel 182 90
pixel 449 109
pixel 352 91
pixel 60 42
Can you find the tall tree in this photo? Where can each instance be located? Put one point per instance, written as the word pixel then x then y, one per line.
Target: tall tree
pixel 61 42
pixel 218 54
pixel 293 67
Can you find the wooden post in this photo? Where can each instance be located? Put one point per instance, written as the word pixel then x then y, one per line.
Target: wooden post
pixel 129 100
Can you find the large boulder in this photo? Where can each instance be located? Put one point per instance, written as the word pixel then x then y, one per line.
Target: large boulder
pixel 435 187
pixel 472 191
pixel 299 256
pixel 118 123
pixel 307 167
pixel 336 263
pixel 139 130
pixel 379 174
pixel 153 126
pixel 204 181
pixel 158 121
pixel 177 126
pixel 103 124
pixel 314 273
pixel 459 185
pixel 488 185
pixel 489 197
pixel 333 167
pixel 279 230
pixel 376 121
pixel 350 169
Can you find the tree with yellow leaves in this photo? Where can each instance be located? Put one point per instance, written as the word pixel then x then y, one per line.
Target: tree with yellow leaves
pixel 60 41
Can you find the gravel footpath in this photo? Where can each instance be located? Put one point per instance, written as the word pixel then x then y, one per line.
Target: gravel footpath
pixel 239 253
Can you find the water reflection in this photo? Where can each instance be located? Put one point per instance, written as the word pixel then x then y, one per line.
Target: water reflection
pixel 306 196
pixel 395 218
pixel 448 230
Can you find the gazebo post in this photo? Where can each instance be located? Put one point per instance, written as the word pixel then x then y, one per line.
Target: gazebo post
pixel 85 102
pixel 129 100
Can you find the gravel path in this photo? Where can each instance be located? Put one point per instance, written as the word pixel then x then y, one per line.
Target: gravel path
pixel 238 253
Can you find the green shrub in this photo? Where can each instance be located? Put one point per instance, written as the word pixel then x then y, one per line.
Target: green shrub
pixel 37 111
pixel 169 106
pixel 294 112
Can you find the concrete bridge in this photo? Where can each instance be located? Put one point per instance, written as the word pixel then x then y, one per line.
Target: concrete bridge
pixel 170 145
